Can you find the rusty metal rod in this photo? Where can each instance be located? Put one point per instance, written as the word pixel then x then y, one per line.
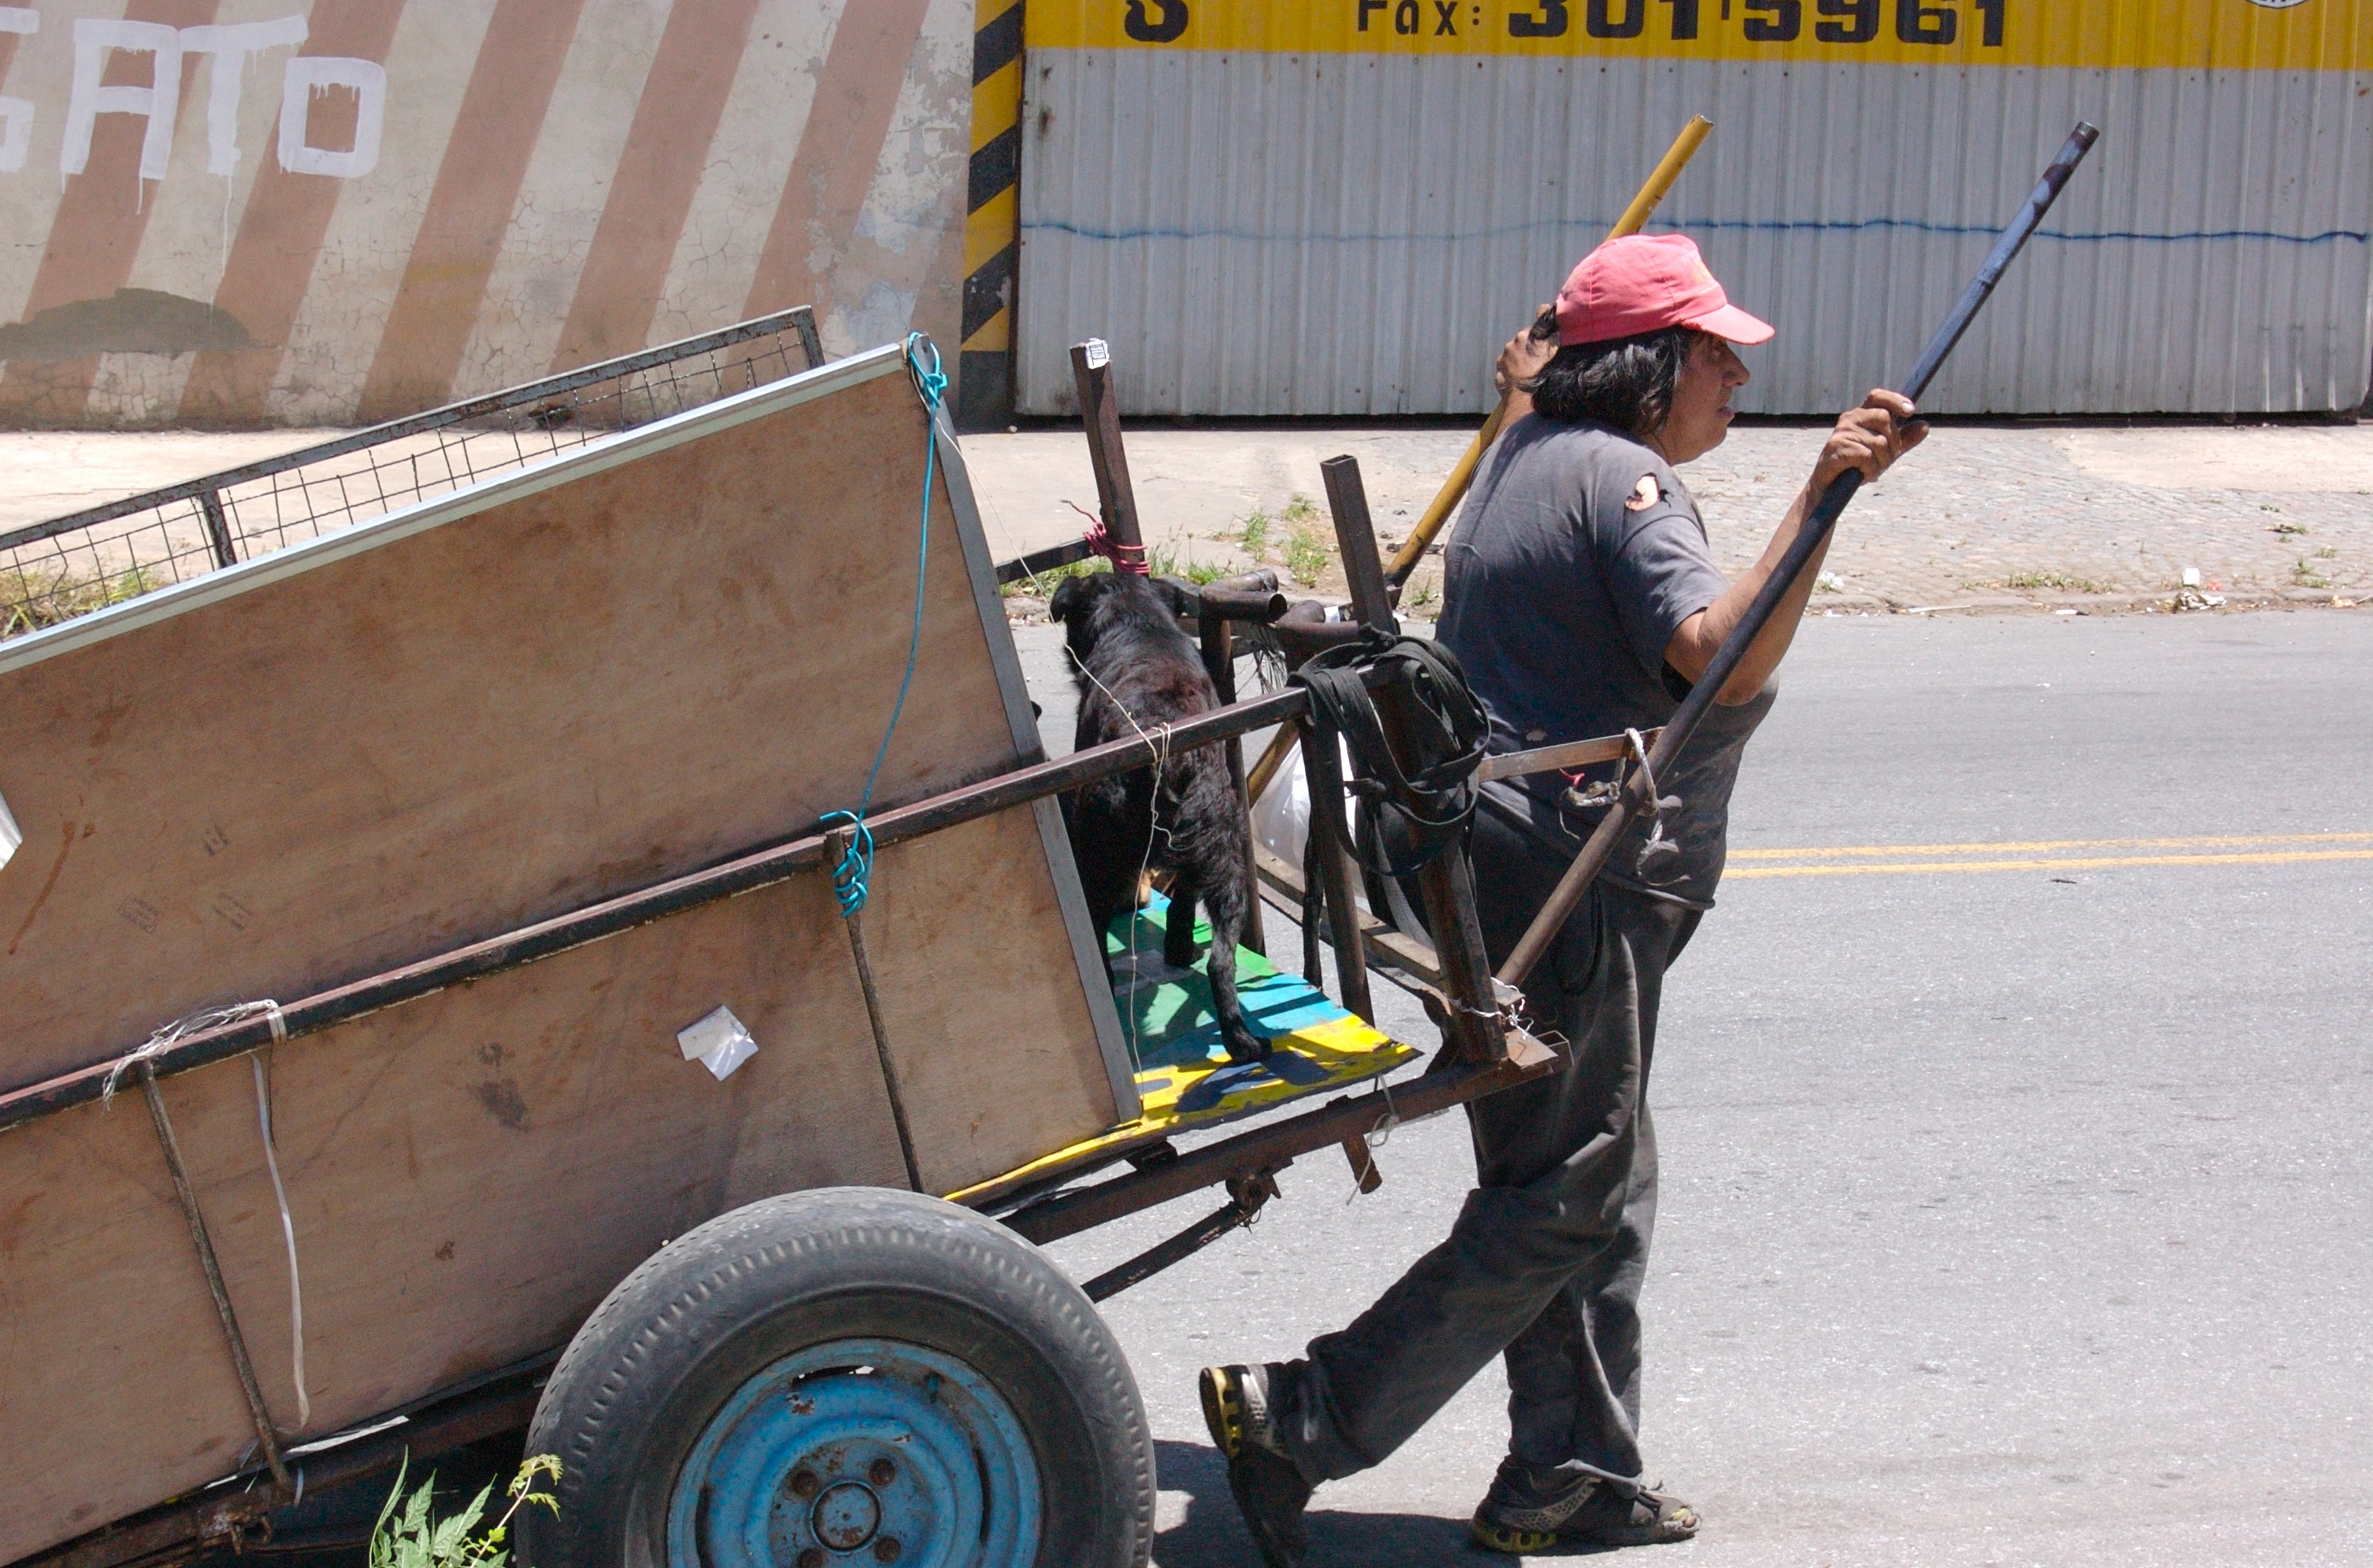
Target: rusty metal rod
pixel 1100 422
pixel 1269 1148
pixel 1447 882
pixel 1810 535
pixel 1573 754
pixel 267 1437
pixel 743 875
pixel 836 847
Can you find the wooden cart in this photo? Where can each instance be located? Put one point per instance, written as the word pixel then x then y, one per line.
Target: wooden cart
pixel 527 1066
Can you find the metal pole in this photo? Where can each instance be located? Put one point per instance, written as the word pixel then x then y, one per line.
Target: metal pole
pixel 217 528
pixel 1447 884
pixel 836 846
pixel 266 1436
pixel 811 345
pixel 1219 664
pixel 1100 415
pixel 1807 543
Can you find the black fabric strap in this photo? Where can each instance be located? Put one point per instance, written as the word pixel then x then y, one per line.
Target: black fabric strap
pixel 1423 802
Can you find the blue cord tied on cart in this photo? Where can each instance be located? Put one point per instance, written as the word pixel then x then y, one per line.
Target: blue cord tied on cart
pixel 852 878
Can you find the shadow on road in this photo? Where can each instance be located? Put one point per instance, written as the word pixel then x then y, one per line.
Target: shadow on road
pixel 1212 1536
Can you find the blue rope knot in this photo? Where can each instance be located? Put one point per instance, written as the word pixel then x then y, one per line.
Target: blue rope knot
pixel 852 878
pixel 931 384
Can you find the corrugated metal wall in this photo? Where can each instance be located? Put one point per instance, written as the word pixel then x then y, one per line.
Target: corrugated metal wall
pixel 1349 226
pixel 253 211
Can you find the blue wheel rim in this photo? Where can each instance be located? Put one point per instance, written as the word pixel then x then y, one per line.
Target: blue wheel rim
pixel 858 1451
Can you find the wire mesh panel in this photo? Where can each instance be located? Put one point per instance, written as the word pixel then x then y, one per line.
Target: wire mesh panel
pixel 70 566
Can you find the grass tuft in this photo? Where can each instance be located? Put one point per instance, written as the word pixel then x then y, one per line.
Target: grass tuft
pixel 29 602
pixel 1043 586
pixel 2057 582
pixel 1306 555
pixel 1253 533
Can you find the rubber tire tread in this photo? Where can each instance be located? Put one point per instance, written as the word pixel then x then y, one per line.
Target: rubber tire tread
pixel 641 1379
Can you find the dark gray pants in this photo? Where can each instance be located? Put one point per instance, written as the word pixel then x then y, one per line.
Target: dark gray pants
pixel 1545 1263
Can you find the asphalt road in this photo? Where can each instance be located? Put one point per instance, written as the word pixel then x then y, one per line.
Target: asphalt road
pixel 2017 1203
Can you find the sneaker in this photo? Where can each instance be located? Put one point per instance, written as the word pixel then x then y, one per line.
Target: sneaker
pixel 1524 1513
pixel 1269 1490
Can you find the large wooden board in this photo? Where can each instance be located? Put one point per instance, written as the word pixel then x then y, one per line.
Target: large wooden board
pixel 611 669
pixel 547 694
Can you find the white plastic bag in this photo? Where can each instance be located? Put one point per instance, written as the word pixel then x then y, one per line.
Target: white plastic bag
pixel 1282 816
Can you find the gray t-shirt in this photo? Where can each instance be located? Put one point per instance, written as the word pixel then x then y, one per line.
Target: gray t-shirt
pixel 1577 557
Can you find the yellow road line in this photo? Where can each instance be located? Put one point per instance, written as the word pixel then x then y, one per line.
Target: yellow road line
pixel 2095 862
pixel 2048 846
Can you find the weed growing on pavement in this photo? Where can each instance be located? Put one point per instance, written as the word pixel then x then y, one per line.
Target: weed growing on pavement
pixel 1305 554
pixel 2057 582
pixel 1253 535
pixel 28 603
pixel 1298 508
pixel 1421 592
pixel 1044 584
pixel 1164 560
pixel 415 1540
pixel 2306 576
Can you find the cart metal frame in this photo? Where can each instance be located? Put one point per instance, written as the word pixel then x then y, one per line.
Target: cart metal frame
pixel 1484 1049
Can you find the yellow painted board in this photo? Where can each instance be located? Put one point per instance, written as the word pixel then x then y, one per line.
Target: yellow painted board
pixel 2305 35
pixel 1184 1080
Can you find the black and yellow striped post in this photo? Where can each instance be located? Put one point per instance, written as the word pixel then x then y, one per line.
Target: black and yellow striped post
pixel 993 217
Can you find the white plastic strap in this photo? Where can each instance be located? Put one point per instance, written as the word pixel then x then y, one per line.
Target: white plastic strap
pixel 288 1228
pixel 198 1023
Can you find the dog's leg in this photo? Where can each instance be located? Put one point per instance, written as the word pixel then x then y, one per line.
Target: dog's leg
pixel 1178 927
pixel 1107 865
pixel 1224 898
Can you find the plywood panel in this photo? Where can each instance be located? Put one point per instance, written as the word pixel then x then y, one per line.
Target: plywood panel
pixel 373 755
pixel 518 711
pixel 471 1172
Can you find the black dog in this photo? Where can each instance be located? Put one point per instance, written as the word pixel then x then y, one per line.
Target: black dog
pixel 1137 670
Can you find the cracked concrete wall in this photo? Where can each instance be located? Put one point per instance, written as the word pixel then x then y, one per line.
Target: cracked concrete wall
pixel 247 213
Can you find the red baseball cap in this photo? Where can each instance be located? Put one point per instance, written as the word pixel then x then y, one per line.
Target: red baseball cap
pixel 1643 283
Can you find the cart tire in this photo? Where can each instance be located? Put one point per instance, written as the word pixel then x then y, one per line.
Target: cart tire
pixel 845 1376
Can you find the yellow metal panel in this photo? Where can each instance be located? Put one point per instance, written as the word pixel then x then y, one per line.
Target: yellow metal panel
pixel 996 104
pixel 2306 35
pixel 990 230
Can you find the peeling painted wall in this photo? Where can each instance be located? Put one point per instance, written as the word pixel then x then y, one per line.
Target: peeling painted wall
pixel 242 213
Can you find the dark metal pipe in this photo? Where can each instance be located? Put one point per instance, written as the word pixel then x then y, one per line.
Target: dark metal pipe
pixel 1256 606
pixel 1049 559
pixel 1269 1148
pixel 1261 579
pixel 1809 538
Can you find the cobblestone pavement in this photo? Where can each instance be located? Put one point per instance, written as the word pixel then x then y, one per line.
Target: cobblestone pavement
pixel 1983 517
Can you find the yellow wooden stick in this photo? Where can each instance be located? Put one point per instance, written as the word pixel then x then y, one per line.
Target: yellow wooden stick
pixel 1454 489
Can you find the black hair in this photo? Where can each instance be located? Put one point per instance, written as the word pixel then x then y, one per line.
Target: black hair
pixel 1625 381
